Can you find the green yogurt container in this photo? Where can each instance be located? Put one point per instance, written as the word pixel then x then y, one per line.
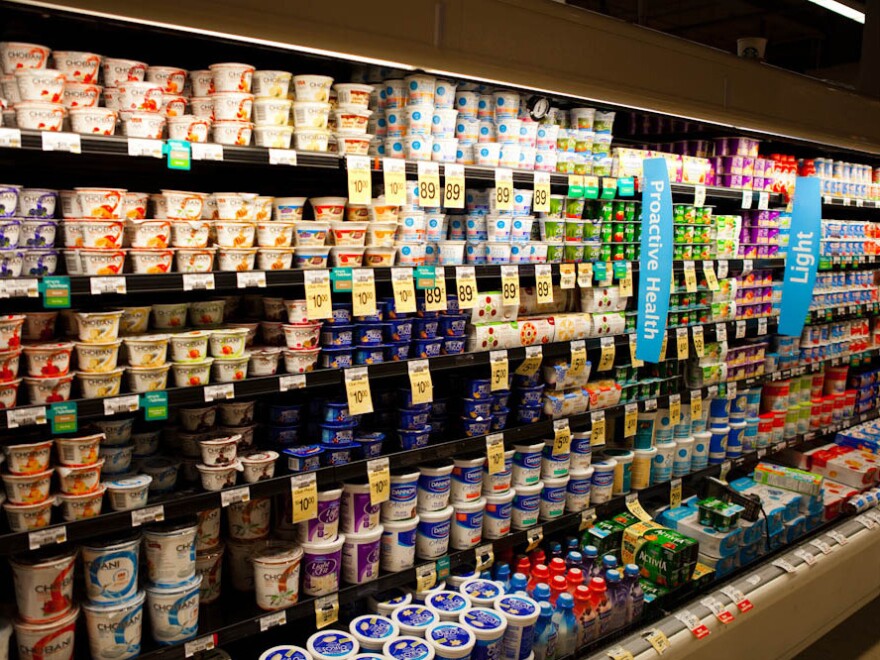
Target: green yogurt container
pixel 555 252
pixel 573 253
pixel 574 230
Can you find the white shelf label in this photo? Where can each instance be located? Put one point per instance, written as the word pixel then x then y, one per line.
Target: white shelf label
pixel 747 199
pixel 206 151
pixel 142 147
pixel 806 555
pixel 32 416
pixel 823 547
pixel 762 325
pixel 837 536
pixel 10 138
pixel 67 142
pixel 721 332
pixel 49 536
pixel 785 565
pixel 273 620
pixel 222 391
pixel 253 279
pixel 147 515
pixel 282 157
pixel 20 288
pixel 99 285
pixel 866 521
pixel 203 643
pixel 740 329
pixel 198 281
pixel 294 382
pixel 763 201
pixel 122 404
pixel 235 496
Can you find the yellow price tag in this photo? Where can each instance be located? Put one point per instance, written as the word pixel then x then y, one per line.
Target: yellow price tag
pixel 634 361
pixel 435 297
pixel 597 432
pixel 709 273
pixel 567 277
pixel 379 478
pixel 619 653
pixel 466 286
pixel 696 404
pixel 426 576
pixel 394 174
pixel 561 437
pixel 420 381
pixel 304 494
pixel 625 286
pixel 318 302
pixel 657 638
pixel 530 366
pixel 544 283
pixel 326 610
pixel 509 286
pixel 485 556
pixel 578 358
pixel 541 195
pixel 606 359
pixel 663 347
pixel 429 184
pixel 690 277
pixel 534 538
pixel 404 290
pixel 363 292
pixel 495 453
pixel 503 189
pixel 588 519
pixel 357 389
pixel 635 507
pixel 498 363
pixel 630 420
pixel 675 493
pixel 699 343
pixel 585 275
pixel 675 409
pixel 682 339
pixel 453 186
pixel 360 189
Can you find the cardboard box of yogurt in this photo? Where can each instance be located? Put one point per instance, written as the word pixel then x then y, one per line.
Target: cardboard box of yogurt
pixel 849 466
pixel 664 556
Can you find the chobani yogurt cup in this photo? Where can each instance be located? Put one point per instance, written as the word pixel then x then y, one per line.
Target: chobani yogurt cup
pixel 372 631
pixel 325 527
pixel 43 586
pixel 250 520
pixel 332 645
pixel 174 611
pixel 415 619
pixel 115 628
pixel 401 504
pixel 286 652
pixel 171 554
pixel 111 569
pixel 209 566
pixel 360 556
pixel 398 549
pixel 408 648
pixel 46 641
pixel 432 533
pixel 450 604
pixel 358 514
pixel 276 576
pixel 321 566
pixel 488 627
pixel 128 492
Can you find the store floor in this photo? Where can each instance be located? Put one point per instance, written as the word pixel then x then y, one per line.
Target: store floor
pixel 857 638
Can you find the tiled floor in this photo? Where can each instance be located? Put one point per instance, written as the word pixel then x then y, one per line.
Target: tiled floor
pixel 857 638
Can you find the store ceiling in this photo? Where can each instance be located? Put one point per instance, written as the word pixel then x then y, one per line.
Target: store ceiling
pixel 802 36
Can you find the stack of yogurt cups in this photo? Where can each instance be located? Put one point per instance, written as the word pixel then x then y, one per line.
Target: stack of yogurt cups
pixel 420 232
pixel 271 110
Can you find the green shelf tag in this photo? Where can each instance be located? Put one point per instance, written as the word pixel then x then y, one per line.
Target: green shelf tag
pixel 609 188
pixel 591 187
pixel 155 405
pixel 575 190
pixel 600 271
pixel 619 269
pixel 342 279
pixel 56 291
pixel 626 187
pixel 63 416
pixel 425 276
pixel 179 154
pixel 442 568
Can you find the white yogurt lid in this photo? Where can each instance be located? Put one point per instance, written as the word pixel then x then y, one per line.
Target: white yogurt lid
pixel 408 648
pixel 371 629
pixel 415 618
pixel 133 482
pixel 332 644
pixel 286 652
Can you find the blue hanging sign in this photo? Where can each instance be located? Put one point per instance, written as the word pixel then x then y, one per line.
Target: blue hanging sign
pixel 655 271
pixel 802 259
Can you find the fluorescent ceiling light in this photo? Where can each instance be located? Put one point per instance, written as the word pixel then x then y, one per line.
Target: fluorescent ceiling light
pixel 842 9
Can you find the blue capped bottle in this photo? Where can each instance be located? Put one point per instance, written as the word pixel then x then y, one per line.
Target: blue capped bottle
pixel 566 625
pixel 546 635
pixel 635 597
pixel 574 559
pixel 617 596
pixel 590 554
pixel 517 584
pixel 609 562
pixel 541 592
pixel 502 576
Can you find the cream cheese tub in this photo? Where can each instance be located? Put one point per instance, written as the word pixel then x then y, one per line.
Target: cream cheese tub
pixel 43 586
pixel 174 611
pixel 46 641
pixel 115 628
pixel 111 570
pixel 276 576
pixel 171 554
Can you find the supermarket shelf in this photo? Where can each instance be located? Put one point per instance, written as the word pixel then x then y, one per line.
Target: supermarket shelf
pixel 115 145
pixel 843 312
pixel 863 262
pixel 850 202
pixel 269 385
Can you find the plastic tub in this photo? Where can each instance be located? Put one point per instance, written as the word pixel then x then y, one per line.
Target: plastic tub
pixel 527 464
pixel 115 628
pixel 174 611
pixel 577 491
pixel 643 459
pixel 171 554
pixel 360 556
pixel 249 521
pixel 43 586
pixel 276 576
pixel 414 619
pixel 287 652
pixel 553 498
pixel 467 524
pixel 401 504
pixel 467 479
pixel 28 488
pixel 497 516
pixel 46 641
pixel 408 648
pixel 209 566
pixel 489 628
pixel 128 493
pixel 111 569
pixel 398 548
pixel 321 566
pixel 434 487
pixel 332 645
pixel 432 533
pixel 450 640
pixel 603 481
pixel 526 506
pixel 521 613
pixel 553 466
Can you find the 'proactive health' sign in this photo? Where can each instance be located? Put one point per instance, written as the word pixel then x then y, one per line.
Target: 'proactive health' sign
pixel 655 273
pixel 802 260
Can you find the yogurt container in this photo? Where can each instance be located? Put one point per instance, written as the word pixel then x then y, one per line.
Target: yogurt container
pixel 360 556
pixel 209 566
pixel 250 520
pixel 111 570
pixel 408 648
pixel 577 490
pixel 358 514
pixel 129 492
pixel 482 593
pixel 286 652
pixel 553 498
pixel 372 631
pixel 450 640
pixel 325 527
pixel 467 479
pixel 43 586
pixel 432 533
pixel 414 620
pixel 386 602
pixel 497 515
pixel 526 506
pixel 450 604
pixel 554 465
pixel 332 645
pixel 321 566
pixel 602 483
pixel 398 549
pixel 489 627
pixel 467 524
pixel 521 613
pixel 115 627
pixel 276 576
pixel 401 504
pixel 435 483
pixel 171 554
pixel 46 641
pixel 174 611
pixel 527 464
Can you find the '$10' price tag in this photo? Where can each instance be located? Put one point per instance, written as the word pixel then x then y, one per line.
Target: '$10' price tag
pixel 304 494
pixel 318 301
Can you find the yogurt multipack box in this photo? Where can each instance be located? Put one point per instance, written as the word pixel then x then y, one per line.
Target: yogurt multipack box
pixel 834 494
pixel 850 466
pixel 664 555
pixel 713 543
